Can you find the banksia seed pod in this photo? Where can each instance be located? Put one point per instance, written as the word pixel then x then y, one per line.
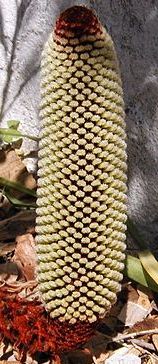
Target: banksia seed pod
pixel 81 211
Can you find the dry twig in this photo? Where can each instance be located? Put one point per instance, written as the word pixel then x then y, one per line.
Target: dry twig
pixel 132 335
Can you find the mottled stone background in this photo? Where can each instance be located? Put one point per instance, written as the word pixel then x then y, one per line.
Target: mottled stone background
pixel 133 24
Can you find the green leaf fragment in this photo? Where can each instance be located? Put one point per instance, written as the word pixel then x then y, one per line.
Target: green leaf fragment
pixel 18 203
pixel 135 271
pixel 150 264
pixel 9 135
pixel 13 124
pixel 17 186
pixel 12 134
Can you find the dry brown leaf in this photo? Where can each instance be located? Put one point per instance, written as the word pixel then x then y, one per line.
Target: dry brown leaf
pixel 133 295
pixel 150 323
pixel 25 256
pixel 12 168
pixel 150 360
pixel 134 351
pixel 144 301
pixel 8 272
pixel 22 222
pixel 136 308
pixel 122 356
pixel 6 248
pixel 155 341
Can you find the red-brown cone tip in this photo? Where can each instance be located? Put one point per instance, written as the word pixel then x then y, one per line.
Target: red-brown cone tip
pixel 78 20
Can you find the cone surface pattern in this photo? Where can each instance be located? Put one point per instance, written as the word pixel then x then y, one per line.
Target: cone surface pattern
pixel 81 204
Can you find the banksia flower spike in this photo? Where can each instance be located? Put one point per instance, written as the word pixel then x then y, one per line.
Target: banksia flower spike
pixel 81 201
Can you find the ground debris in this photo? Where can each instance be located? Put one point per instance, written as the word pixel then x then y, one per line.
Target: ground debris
pixel 137 307
pixel 18 224
pixel 123 356
pixel 155 341
pixel 25 256
pixel 12 168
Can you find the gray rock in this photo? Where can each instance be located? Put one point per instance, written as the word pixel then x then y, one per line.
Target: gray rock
pixel 24 28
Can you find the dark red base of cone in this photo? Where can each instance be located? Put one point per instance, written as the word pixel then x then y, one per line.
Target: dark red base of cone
pixel 29 328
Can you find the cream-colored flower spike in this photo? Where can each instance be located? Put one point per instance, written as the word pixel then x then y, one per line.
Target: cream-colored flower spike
pixel 81 213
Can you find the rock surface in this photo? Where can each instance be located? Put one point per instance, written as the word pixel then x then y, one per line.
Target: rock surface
pixel 24 28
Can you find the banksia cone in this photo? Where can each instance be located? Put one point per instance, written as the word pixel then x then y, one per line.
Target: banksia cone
pixel 81 211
